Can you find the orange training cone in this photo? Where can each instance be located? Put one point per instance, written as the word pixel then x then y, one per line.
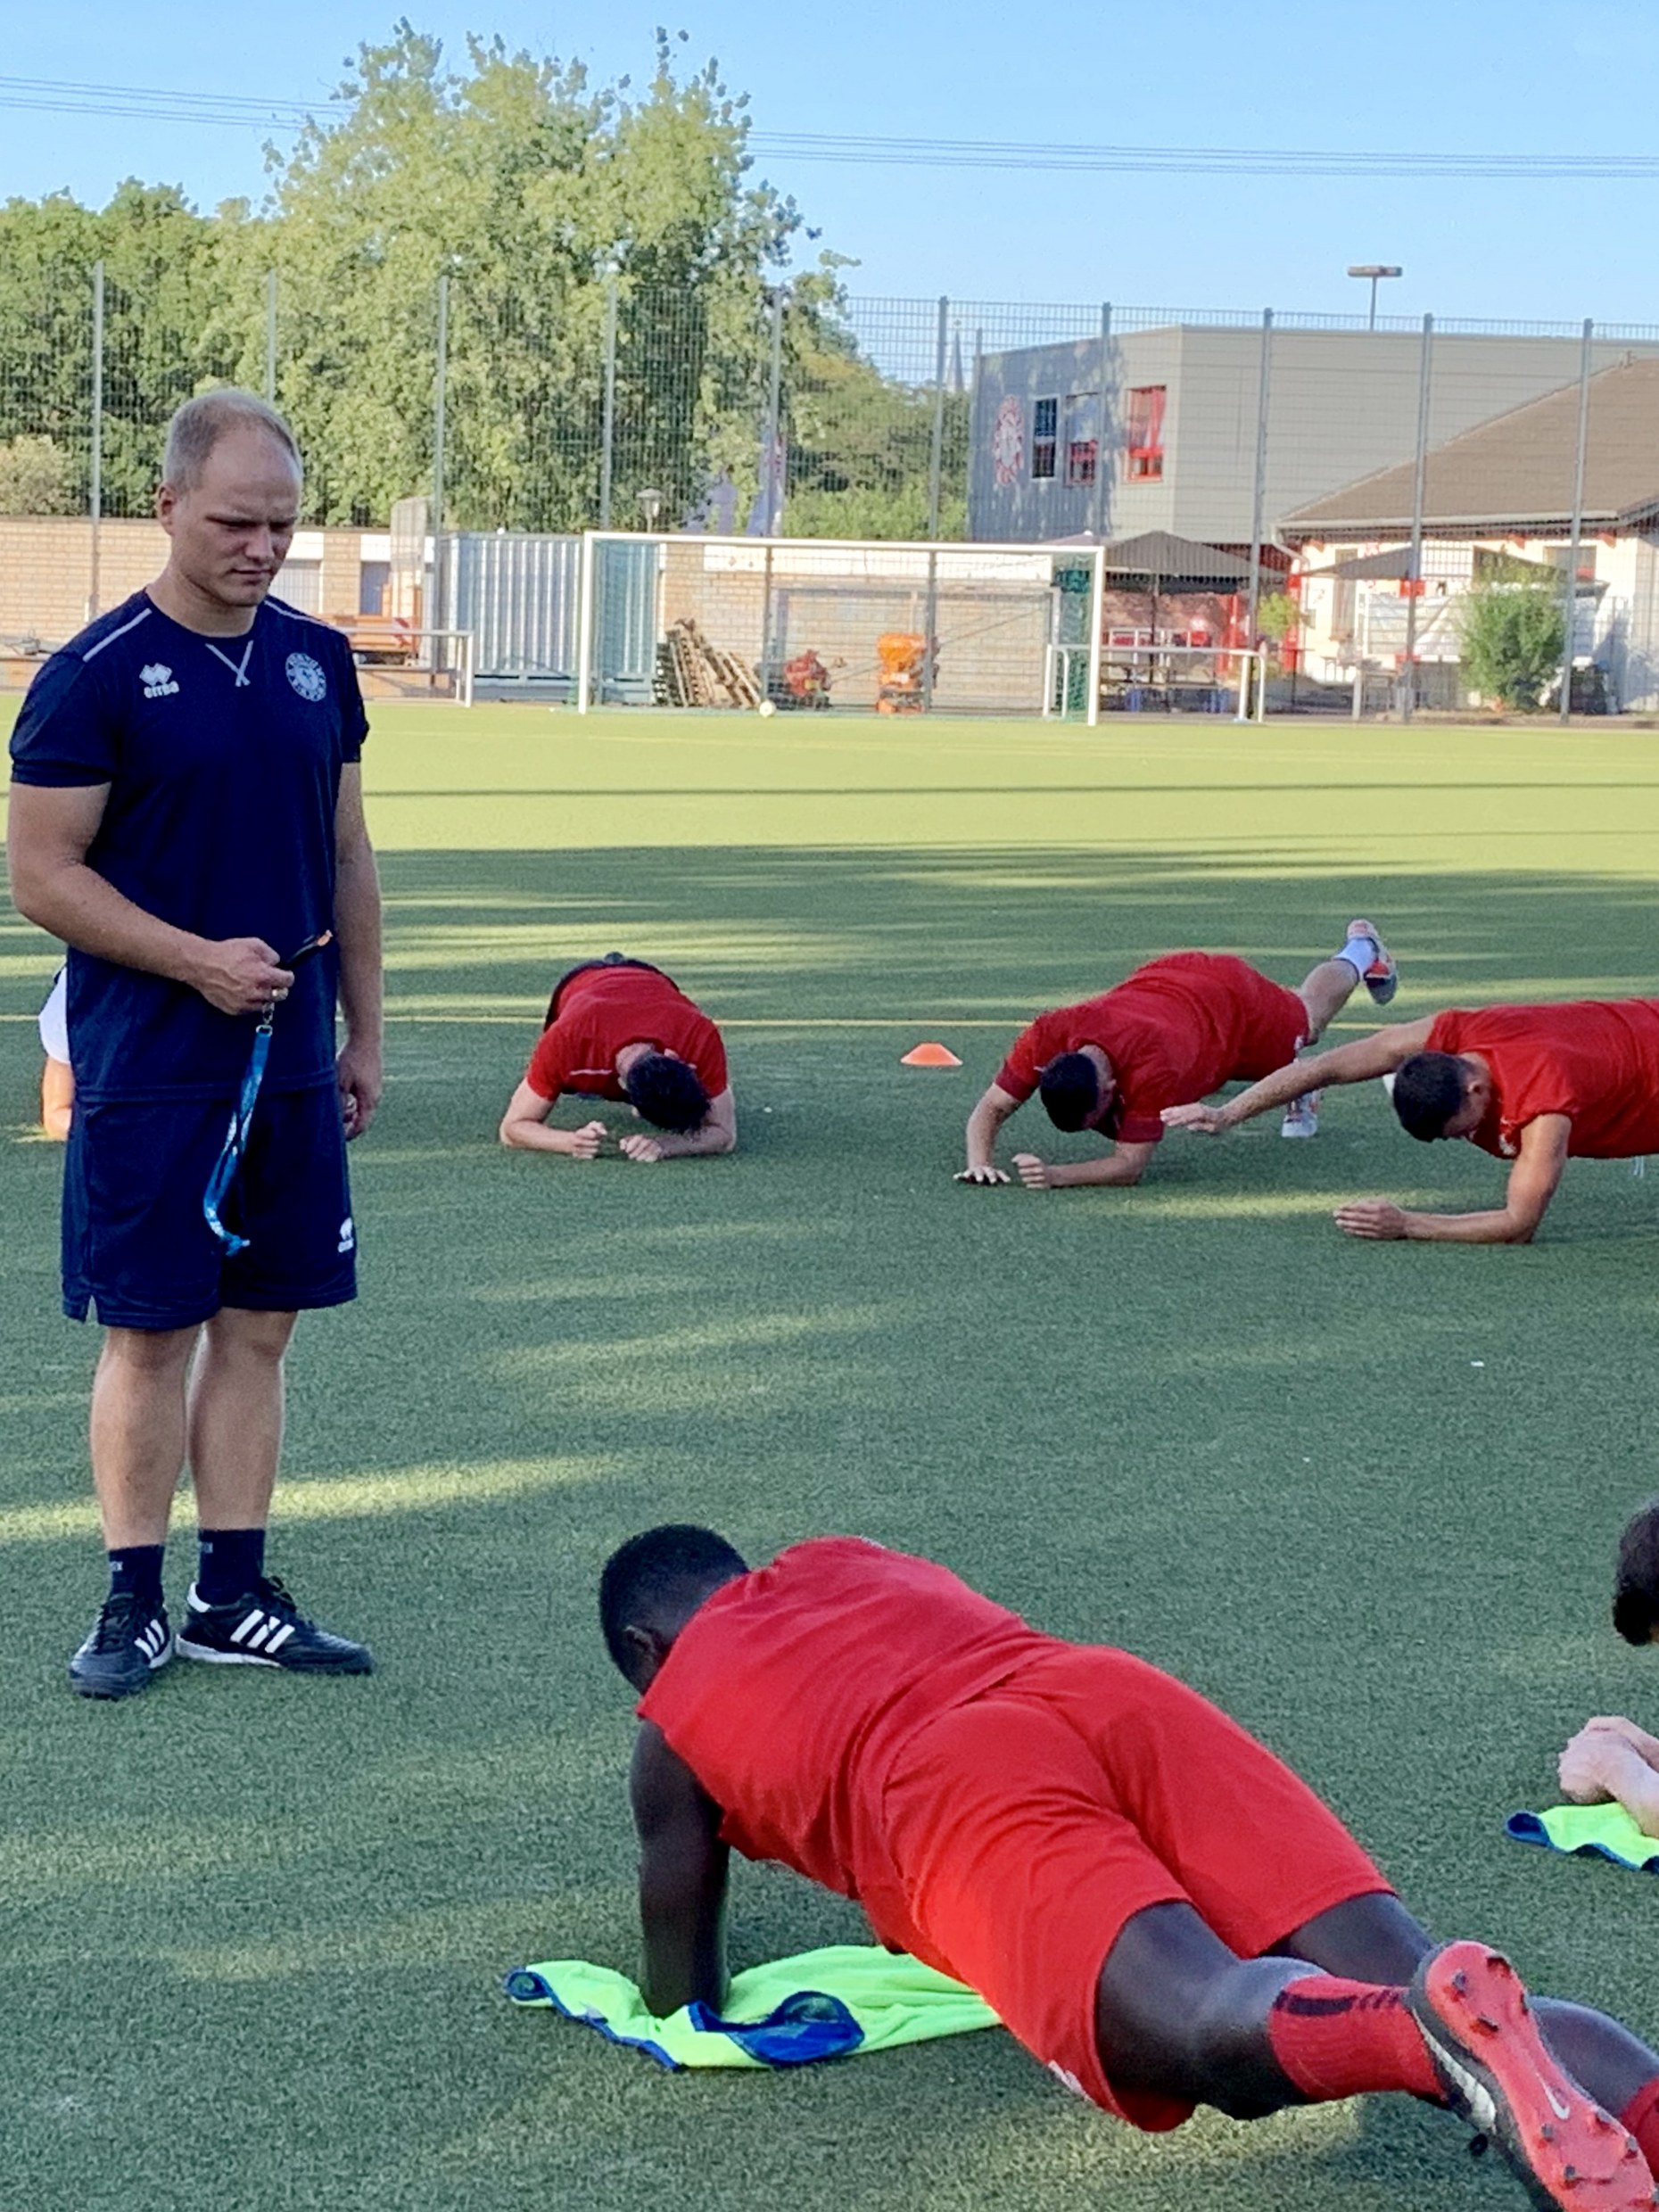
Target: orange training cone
pixel 929 1056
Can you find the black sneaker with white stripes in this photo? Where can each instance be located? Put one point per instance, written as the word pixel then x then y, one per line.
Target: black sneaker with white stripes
pixel 264 1627
pixel 131 1640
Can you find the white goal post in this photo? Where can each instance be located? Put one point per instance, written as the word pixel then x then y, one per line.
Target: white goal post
pixel 897 627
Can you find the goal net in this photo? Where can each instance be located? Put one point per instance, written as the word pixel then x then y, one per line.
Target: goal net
pixel 808 624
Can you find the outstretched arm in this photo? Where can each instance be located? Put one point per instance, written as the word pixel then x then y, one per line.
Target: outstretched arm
pixel 683 1880
pixel 718 1133
pixel 982 1124
pixel 1378 1055
pixel 1532 1180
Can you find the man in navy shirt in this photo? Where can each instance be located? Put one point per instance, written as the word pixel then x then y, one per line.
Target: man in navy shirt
pixel 186 813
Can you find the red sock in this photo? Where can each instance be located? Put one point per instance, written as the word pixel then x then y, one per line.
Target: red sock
pixel 1641 2116
pixel 1335 2038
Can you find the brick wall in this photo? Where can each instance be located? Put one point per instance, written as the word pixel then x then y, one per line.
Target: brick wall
pixel 46 579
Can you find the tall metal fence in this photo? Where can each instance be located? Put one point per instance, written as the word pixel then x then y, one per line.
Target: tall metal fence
pixel 794 414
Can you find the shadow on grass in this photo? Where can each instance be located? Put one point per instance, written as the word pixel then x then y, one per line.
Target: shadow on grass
pixel 1344 1489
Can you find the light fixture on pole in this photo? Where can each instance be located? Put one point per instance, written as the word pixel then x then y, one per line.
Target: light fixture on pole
pixel 650 507
pixel 1375 271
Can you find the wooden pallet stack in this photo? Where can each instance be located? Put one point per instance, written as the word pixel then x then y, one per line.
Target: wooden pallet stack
pixel 692 671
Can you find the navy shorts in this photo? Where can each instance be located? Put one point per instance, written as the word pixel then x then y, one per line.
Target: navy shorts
pixel 136 1245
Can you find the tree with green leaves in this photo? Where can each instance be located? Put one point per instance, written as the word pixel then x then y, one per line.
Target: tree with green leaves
pixel 861 444
pixel 160 294
pixel 38 477
pixel 538 197
pixel 557 211
pixel 1512 638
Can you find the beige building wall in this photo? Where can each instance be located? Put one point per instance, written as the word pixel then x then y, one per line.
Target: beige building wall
pixel 49 588
pixel 47 584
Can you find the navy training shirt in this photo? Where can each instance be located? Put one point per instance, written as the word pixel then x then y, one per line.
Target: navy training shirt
pixel 223 758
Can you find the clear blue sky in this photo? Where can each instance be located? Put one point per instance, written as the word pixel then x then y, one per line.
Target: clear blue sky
pixel 1505 75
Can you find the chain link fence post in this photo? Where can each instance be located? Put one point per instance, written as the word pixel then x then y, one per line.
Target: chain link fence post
pixel 1264 389
pixel 1407 689
pixel 772 487
pixel 608 420
pixel 935 468
pixel 1099 514
pixel 94 470
pixel 439 394
pixel 1571 638
pixel 936 449
pixel 776 488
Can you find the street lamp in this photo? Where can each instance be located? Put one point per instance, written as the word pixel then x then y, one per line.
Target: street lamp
pixel 1374 270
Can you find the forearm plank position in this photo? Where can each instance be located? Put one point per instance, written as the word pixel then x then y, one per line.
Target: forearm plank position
pixel 1178 1027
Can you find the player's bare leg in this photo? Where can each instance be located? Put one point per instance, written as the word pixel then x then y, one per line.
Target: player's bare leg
pixel 236 1415
pixel 137 1432
pixel 1326 990
pixel 1375 1939
pixel 236 1613
pixel 1178 2015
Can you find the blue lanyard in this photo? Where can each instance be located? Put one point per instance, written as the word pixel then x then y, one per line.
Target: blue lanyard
pixel 237 1142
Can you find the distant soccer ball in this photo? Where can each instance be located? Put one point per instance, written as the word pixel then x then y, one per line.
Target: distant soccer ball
pixel 767 706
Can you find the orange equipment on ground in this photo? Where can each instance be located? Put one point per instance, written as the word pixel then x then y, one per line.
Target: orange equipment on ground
pixel 901 659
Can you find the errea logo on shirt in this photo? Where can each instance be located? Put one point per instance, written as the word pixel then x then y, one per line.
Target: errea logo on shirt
pixel 157 680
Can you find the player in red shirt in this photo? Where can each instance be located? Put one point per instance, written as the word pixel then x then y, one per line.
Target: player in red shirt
pixel 1177 1028
pixel 1535 1085
pixel 619 1028
pixel 1155 1906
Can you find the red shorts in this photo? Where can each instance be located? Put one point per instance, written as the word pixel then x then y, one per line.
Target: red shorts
pixel 1026 1826
pixel 1272 1023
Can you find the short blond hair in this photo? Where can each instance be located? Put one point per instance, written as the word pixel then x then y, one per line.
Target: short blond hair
pixel 199 424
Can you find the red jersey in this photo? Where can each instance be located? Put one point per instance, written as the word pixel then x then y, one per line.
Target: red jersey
pixel 789 1691
pixel 602 1009
pixel 1174 1031
pixel 1595 1061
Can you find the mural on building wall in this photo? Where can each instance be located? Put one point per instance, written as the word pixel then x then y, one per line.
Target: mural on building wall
pixel 1008 442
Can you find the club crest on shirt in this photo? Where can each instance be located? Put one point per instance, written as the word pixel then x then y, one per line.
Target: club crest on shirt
pixel 306 677
pixel 157 680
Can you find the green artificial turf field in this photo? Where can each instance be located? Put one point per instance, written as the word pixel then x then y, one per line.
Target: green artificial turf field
pixel 1365 1496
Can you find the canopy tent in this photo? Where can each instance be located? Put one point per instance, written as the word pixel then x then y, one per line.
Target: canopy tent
pixel 1160 561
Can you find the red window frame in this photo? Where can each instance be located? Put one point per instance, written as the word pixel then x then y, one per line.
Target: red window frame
pixel 1144 453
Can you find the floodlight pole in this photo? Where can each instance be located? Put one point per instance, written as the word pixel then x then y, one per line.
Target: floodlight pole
pixel 1377 271
pixel 270 337
pixel 1569 640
